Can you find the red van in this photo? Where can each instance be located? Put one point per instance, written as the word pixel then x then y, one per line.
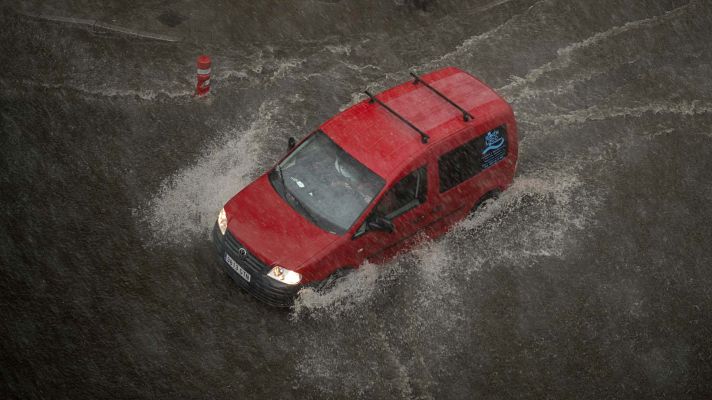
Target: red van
pixel 415 158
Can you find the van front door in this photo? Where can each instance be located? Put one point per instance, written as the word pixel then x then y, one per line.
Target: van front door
pixel 406 207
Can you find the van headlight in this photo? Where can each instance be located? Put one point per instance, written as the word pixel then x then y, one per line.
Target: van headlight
pixel 284 275
pixel 222 221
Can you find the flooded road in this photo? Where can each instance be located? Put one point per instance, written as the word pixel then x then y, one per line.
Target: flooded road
pixel 589 278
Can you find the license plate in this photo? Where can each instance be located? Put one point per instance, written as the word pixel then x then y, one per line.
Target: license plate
pixel 234 265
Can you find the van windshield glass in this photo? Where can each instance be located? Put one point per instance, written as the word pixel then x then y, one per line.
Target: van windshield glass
pixel 325 184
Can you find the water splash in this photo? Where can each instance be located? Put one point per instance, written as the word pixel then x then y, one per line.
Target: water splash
pixel 347 293
pixel 432 285
pixel 532 218
pixel 187 203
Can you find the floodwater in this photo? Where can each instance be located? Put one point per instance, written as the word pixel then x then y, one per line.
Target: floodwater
pixel 589 278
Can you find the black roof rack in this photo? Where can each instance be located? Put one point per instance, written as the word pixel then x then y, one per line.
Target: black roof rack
pixel 423 136
pixel 466 116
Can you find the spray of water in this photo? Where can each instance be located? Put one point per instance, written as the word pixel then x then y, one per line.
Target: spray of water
pixel 532 218
pixel 187 203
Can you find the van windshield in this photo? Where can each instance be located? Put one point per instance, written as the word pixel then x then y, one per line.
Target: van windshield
pixel 325 184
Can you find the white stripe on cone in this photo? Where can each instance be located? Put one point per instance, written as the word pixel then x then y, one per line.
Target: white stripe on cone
pixel 204 71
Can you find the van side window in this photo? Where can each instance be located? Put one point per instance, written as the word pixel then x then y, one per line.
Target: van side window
pixel 408 193
pixel 466 161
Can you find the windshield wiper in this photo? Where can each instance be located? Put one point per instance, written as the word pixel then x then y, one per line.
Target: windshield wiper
pixel 294 198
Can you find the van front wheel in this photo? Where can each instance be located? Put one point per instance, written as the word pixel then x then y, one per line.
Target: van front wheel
pixel 333 279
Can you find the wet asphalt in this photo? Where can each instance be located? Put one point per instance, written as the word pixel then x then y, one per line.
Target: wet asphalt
pixel 589 278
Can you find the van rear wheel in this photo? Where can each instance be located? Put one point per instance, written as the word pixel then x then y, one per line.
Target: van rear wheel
pixel 482 203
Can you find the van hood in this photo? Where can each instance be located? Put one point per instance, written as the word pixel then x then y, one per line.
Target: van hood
pixel 271 229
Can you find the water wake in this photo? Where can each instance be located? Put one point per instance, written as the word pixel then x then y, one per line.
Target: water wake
pixel 564 56
pixel 603 112
pixel 146 94
pixel 533 218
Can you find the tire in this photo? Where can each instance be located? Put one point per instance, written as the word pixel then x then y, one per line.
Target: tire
pixel 334 278
pixel 482 202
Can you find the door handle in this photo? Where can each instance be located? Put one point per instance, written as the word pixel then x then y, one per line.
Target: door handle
pixel 418 219
pixel 438 208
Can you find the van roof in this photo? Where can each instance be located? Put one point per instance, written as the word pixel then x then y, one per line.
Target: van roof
pixel 382 142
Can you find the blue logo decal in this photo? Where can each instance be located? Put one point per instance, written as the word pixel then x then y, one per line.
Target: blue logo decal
pixel 493 140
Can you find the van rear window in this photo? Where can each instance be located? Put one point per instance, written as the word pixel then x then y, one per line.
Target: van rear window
pixel 466 161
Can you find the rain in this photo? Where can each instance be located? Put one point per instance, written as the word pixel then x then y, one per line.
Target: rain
pixel 587 278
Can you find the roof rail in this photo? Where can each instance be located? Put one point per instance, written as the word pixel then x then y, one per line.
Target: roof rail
pixel 466 116
pixel 423 136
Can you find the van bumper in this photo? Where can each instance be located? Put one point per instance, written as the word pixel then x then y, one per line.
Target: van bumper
pixel 260 285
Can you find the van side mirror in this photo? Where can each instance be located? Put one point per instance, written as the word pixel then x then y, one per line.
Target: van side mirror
pixel 291 142
pixel 380 224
